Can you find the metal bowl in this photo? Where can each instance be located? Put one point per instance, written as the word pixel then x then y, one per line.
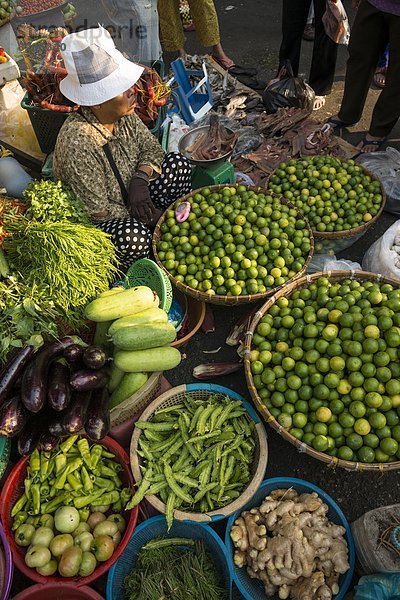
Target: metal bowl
pixel 189 139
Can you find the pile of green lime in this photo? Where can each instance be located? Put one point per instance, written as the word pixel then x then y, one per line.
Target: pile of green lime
pixel 235 242
pixel 334 195
pixel 326 363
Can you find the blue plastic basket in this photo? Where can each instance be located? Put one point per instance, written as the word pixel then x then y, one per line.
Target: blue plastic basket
pixel 157 527
pixel 252 589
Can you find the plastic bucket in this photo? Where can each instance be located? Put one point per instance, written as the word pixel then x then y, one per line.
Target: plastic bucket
pixel 58 591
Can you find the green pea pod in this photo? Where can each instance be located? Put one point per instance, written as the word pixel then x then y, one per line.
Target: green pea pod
pixel 68 443
pixel 201 493
pixel 196 417
pixel 214 416
pixel 205 475
pixel 156 488
pixel 141 491
pixel 152 436
pixel 169 510
pixel 174 487
pixel 173 449
pixel 19 505
pixel 189 481
pixel 19 519
pixel 202 438
pixel 154 426
pixel 204 416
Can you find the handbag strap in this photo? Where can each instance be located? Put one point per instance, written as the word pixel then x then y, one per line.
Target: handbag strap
pixel 110 158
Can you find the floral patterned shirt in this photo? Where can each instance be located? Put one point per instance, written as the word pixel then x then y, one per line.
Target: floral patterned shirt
pixel 80 161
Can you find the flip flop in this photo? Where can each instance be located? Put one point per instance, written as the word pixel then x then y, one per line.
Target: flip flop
pixel 234 69
pixel 337 124
pixel 377 144
pixel 380 74
pixel 319 102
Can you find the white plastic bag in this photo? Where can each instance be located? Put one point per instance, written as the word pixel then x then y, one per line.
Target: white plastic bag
pixel 336 23
pixel 177 129
pixel 386 166
pixel 327 262
pixel 380 258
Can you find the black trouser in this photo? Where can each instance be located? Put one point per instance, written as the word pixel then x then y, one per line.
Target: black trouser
pixel 294 19
pixel 367 39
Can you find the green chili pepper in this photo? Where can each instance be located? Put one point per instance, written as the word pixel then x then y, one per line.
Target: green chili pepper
pixel 27 486
pixel 20 519
pixel 73 465
pixel 117 482
pixel 107 484
pixel 84 450
pixel 117 506
pixel 95 455
pixel 35 491
pixel 19 505
pixel 84 514
pixel 34 462
pixel 105 453
pixel 141 491
pixel 82 501
pixel 68 443
pixel 74 482
pixel 87 482
pixel 61 463
pixel 44 466
pixel 44 490
pixel 106 499
pixel 106 471
pixel 126 495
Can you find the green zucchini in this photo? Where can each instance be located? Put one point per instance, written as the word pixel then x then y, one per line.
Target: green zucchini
pixel 151 315
pixel 101 335
pixel 141 337
pixel 116 376
pixel 151 360
pixel 122 304
pixel 130 384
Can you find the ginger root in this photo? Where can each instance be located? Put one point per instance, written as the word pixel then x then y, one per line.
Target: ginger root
pixel 291 546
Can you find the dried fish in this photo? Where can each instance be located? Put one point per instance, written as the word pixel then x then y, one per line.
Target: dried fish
pixel 217 142
pixel 211 370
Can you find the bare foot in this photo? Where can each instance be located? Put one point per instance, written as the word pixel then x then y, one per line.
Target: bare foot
pixel 380 77
pixel 371 144
pixel 182 53
pixel 319 102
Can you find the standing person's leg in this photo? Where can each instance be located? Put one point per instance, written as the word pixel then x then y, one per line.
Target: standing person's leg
pixel 324 57
pixel 366 41
pixel 174 182
pixel 387 108
pixel 294 19
pixel 205 19
pixel 172 36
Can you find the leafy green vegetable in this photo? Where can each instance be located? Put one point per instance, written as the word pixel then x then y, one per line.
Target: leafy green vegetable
pixel 174 572
pixel 49 201
pixel 75 262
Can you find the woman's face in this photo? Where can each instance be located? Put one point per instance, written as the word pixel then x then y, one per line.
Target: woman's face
pixel 118 107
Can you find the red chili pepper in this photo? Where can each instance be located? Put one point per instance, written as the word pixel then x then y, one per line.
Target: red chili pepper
pixel 58 107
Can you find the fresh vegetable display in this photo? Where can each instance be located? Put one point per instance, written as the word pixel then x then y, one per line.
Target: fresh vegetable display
pixel 7 11
pixel 31 7
pixel 139 332
pixel 176 568
pixel 151 94
pixel 325 362
pixel 50 201
pixel 236 241
pixel 334 195
pixel 291 546
pixel 69 516
pixel 44 89
pixel 3 56
pixel 196 455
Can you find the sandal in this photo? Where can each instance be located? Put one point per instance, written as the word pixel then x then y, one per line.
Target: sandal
pixel 319 102
pixel 337 124
pixel 233 69
pixel 377 145
pixel 380 77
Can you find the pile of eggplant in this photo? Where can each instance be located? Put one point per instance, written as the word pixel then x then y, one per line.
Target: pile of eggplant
pixel 57 391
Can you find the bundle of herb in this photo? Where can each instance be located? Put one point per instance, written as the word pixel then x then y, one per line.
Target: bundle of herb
pixel 27 316
pixel 75 262
pixel 50 201
pixel 174 569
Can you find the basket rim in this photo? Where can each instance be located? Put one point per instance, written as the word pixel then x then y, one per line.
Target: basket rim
pixel 332 504
pixel 349 233
pixel 230 300
pixel 331 461
pixel 253 484
pixel 157 519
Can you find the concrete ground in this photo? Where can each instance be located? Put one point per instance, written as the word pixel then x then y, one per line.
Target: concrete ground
pixel 250 31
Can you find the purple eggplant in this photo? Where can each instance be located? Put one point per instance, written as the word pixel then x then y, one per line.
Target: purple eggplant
pixel 59 391
pixel 34 382
pixel 48 442
pixel 13 417
pixel 73 354
pixel 13 370
pixel 97 422
pixel 74 416
pixel 86 380
pixel 56 426
pixel 94 357
pixel 29 437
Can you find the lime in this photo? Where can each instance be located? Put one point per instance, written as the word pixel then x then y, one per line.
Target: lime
pixel 320 443
pixel 371 440
pixel 345 453
pixel 392 387
pixel 372 331
pixel 323 414
pixel 366 454
pixel 362 427
pixel 299 420
pixel 373 400
pixel 337 363
pixel 357 409
pixel 285 420
pixel 354 441
pixel 344 386
pixel 389 446
pixel 347 420
pixel 336 407
pixel 380 456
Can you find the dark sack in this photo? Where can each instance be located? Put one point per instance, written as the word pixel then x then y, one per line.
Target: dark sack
pixel 288 91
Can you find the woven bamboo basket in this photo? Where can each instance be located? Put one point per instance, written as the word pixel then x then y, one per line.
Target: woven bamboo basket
pixel 138 402
pixel 203 391
pixel 228 300
pixel 326 242
pixel 331 461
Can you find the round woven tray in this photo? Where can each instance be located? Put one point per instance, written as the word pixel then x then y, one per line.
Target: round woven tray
pixel 138 402
pixel 332 461
pixel 228 300
pixel 203 391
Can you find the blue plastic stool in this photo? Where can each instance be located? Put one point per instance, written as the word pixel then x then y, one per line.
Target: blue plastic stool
pixel 193 102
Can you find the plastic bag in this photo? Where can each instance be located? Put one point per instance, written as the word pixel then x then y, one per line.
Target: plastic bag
pixel 177 129
pixel 386 166
pixel 288 91
pixel 380 258
pixel 378 587
pixel 328 262
pixel 336 23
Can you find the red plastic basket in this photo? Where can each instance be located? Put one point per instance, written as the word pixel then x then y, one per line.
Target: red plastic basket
pixel 13 489
pixel 58 591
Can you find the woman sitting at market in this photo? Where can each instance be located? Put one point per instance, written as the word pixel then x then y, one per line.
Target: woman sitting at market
pixel 106 154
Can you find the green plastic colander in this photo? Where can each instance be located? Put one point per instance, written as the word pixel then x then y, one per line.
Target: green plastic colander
pixel 5 447
pixel 146 272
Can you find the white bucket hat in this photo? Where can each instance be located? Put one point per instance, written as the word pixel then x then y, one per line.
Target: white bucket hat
pixel 97 71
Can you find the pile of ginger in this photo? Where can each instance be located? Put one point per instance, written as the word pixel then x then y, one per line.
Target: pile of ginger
pixel 291 546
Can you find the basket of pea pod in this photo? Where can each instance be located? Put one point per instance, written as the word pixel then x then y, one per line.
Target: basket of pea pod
pixel 64 511
pixel 198 453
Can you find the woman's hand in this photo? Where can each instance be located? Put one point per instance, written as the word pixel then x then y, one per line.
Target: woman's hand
pixel 140 204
